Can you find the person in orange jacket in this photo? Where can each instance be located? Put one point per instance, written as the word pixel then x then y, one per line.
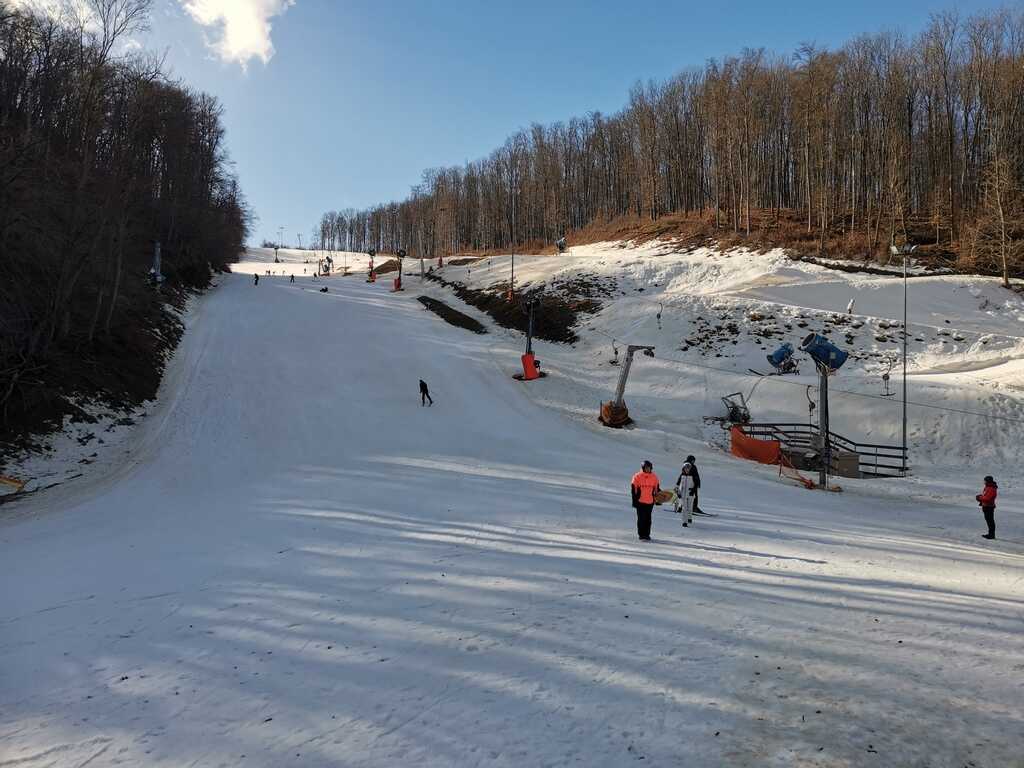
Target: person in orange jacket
pixel 644 487
pixel 987 500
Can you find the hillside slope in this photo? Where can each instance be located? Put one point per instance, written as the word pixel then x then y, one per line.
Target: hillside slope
pixel 303 565
pixel 721 313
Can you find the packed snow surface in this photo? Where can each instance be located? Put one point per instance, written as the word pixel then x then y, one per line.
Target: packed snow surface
pixel 301 565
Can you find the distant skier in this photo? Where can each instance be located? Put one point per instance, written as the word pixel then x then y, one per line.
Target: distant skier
pixel 987 500
pixel 256 278
pixel 849 307
pixel 425 393
pixel 291 279
pixel 324 289
pixel 689 471
pixel 643 488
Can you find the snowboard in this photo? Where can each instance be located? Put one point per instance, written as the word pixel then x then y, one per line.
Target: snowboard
pixel 665 497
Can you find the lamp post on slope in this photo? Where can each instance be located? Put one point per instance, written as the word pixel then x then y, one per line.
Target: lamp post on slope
pixel 905 252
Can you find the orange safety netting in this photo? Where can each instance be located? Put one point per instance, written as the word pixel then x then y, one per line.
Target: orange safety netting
pixel 746 447
pixel 786 469
pixel 765 452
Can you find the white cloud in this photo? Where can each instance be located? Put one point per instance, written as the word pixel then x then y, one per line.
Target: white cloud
pixel 76 12
pixel 242 26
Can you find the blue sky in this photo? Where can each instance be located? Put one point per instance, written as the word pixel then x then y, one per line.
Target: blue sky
pixel 360 96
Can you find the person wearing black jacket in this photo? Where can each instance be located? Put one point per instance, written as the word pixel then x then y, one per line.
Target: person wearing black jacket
pixel 690 470
pixel 425 393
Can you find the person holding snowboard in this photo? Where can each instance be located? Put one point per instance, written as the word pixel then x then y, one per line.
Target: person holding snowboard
pixel 987 500
pixel 689 471
pixel 644 487
pixel 425 393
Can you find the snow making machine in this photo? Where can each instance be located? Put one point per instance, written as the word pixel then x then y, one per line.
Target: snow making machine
pixel 781 360
pixel 736 409
pixel 531 365
pixel 828 359
pixel 825 354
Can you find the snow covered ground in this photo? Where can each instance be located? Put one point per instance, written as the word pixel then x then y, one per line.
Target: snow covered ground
pixel 722 313
pixel 301 263
pixel 300 565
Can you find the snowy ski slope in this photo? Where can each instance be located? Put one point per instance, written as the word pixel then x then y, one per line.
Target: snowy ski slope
pixel 966 350
pixel 300 565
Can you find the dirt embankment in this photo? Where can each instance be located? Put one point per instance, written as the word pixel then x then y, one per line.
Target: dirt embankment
pixel 451 316
pixel 556 314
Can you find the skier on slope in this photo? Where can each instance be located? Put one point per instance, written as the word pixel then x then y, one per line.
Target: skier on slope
pixel 425 393
pixel 291 279
pixel 255 278
pixel 643 488
pixel 987 500
pixel 689 470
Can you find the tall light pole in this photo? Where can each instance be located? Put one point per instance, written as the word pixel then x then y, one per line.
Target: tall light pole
pixel 905 251
pixel 300 240
pixel 280 236
pixel 903 459
pixel 512 279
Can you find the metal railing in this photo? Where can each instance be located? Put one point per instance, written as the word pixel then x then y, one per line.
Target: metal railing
pixel 875 460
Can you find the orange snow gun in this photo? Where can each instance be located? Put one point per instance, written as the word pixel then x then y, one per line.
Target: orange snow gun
pixel 398 280
pixel 531 367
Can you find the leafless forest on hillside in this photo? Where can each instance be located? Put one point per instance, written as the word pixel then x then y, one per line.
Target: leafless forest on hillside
pixel 888 139
pixel 101 156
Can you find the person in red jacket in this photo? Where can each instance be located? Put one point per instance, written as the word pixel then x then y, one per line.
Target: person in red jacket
pixel 987 500
pixel 643 489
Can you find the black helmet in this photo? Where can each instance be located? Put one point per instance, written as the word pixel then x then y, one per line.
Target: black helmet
pixel 989 479
pixel 647 463
pixel 691 459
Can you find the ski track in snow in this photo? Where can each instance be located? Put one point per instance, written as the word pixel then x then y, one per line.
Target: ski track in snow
pixel 303 566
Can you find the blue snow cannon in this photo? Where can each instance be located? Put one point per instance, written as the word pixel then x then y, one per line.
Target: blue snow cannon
pixel 781 355
pixel 824 352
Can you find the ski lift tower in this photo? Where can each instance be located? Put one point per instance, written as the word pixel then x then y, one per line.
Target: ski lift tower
pixel 614 413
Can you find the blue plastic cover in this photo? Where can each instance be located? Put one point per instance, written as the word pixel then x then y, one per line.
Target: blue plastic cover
pixel 781 355
pixel 824 351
